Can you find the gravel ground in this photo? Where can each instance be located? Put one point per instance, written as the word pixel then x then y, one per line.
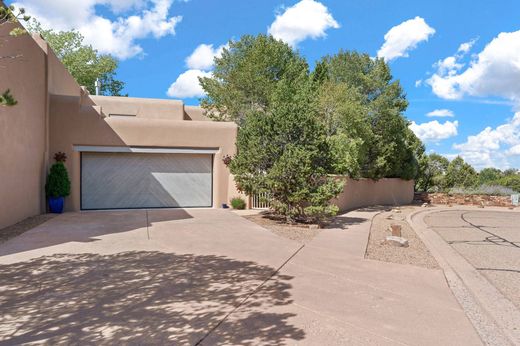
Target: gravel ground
pixel 23 226
pixel 300 233
pixel 415 254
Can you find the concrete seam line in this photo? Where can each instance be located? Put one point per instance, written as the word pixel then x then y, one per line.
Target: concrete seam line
pixel 249 295
pixel 460 275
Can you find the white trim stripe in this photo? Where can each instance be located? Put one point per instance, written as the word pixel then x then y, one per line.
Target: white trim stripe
pixel 107 149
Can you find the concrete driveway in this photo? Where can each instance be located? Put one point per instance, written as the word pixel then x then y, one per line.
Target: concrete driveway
pixel 489 240
pixel 203 276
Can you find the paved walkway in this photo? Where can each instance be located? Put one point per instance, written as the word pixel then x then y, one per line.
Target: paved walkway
pixel 212 277
pixel 478 251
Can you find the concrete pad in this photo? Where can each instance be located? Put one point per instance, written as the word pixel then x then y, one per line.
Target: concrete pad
pixel 162 276
pixel 467 244
pixel 184 276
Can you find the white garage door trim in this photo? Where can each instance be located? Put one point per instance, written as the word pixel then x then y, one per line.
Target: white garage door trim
pixel 172 174
pixel 108 149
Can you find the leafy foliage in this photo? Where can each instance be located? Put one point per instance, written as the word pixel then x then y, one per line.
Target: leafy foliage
pixel 246 75
pixel 432 172
pixel 489 175
pixel 460 173
pixel 7 99
pixel 58 183
pixel 284 151
pixel 238 203
pixel 84 63
pixel 358 97
pixel 11 14
pixel 298 128
pixel 511 181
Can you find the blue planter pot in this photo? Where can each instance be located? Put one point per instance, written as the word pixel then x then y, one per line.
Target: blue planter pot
pixel 56 205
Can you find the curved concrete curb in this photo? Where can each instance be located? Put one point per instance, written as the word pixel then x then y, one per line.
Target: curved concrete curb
pixel 495 318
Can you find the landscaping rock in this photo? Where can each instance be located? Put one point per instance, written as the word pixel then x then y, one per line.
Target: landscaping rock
pixel 396 241
pixel 396 230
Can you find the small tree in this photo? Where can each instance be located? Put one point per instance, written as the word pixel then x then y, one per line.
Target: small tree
pixel 285 152
pixel 432 170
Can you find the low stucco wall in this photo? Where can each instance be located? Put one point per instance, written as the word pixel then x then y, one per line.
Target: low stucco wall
pixel 367 192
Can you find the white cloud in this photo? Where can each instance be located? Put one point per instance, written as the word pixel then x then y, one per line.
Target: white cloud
pixel 113 36
pixel 405 37
pixel 202 57
pixel 493 72
pixel 490 147
pixel 187 84
pixel 466 46
pixel 514 150
pixel 434 131
pixel 305 19
pixel 440 113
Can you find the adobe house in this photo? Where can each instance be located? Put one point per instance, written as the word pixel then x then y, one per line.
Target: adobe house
pixel 123 152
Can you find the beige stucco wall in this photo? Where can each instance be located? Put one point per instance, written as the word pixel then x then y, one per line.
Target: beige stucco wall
pixel 140 107
pixel 54 113
pixel 368 192
pixel 195 113
pixel 22 129
pixel 73 123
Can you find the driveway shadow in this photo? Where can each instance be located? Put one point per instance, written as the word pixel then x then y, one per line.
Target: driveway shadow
pixel 343 222
pixel 140 298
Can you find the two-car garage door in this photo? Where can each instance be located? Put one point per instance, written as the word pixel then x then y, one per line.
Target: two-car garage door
pixel 145 180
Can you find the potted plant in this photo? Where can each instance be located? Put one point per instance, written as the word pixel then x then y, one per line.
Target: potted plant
pixel 58 184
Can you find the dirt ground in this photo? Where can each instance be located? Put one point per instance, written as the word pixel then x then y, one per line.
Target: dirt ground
pixel 23 226
pixel 300 233
pixel 415 254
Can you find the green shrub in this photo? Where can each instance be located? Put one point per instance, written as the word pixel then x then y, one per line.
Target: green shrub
pixel 511 181
pixel 238 203
pixel 58 183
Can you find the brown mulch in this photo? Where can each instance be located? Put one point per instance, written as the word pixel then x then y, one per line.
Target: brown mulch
pixel 302 233
pixel 23 226
pixel 415 254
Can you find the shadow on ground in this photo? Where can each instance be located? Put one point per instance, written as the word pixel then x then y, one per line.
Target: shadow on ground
pixel 139 298
pixel 344 221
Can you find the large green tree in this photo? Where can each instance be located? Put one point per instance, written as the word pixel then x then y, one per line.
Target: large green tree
pixel 246 75
pixel 367 103
pixel 84 63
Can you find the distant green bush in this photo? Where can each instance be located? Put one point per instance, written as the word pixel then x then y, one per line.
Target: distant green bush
pixel 238 203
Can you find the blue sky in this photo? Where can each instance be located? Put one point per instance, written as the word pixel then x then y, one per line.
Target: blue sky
pixel 476 87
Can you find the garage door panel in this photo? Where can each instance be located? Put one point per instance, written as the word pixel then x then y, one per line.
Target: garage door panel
pixel 132 180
